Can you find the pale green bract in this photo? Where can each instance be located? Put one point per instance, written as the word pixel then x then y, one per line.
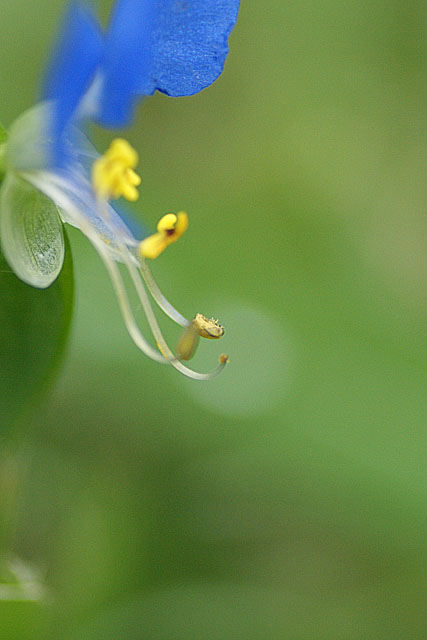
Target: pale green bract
pixel 31 233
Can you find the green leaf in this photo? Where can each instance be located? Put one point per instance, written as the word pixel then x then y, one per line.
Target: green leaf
pixel 34 324
pixel 30 232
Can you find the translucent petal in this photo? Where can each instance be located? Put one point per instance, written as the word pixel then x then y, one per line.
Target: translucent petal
pixel 31 233
pixel 29 146
pixel 77 55
pixel 28 150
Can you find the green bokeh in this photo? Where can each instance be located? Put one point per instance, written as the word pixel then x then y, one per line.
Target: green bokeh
pixel 286 499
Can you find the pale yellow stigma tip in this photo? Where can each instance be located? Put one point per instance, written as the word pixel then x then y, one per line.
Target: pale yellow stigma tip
pixel 223 358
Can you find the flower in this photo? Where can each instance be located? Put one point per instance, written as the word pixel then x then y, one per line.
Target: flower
pixel 177 47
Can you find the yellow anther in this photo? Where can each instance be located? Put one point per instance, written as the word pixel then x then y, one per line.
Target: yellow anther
pixel 169 229
pixel 223 358
pixel 199 327
pixel 167 223
pixel 206 328
pixel 113 173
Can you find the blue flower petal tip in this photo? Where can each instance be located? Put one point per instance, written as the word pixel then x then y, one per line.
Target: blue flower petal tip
pixel 175 46
pixel 190 44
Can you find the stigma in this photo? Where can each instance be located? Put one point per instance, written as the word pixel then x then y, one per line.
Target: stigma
pixel 114 175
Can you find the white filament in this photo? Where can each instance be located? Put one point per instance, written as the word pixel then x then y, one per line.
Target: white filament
pixel 50 184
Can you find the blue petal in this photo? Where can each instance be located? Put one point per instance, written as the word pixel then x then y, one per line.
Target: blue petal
pixel 176 46
pixel 189 44
pixel 78 53
pixel 128 59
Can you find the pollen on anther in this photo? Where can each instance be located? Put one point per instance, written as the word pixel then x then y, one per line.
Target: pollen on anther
pixel 113 173
pixel 208 328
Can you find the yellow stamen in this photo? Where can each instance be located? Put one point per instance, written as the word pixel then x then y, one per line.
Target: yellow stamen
pixel 169 229
pixel 206 328
pixel 199 327
pixel 113 173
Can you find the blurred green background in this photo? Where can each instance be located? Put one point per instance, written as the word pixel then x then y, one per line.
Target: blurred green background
pixel 284 500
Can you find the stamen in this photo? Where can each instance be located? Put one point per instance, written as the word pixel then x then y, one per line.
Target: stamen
pixel 200 326
pixel 113 173
pixel 210 329
pixel 169 229
pixel 51 186
pixel 158 336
